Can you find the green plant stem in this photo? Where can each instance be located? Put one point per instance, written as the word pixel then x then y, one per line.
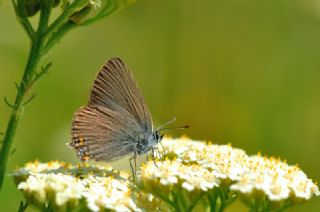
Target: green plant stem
pixel 24 87
pixel 26 83
pixel 62 19
pixel 57 36
pixel 23 19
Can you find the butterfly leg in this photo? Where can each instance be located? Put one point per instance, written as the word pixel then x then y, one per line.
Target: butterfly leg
pixel 163 149
pixel 156 150
pixel 133 170
pixel 154 157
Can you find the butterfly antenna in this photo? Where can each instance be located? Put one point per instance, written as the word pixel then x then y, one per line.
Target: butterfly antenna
pixel 165 124
pixel 174 128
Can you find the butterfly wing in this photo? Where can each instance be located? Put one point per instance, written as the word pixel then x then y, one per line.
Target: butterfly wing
pixel 115 87
pixel 101 133
pixel 116 119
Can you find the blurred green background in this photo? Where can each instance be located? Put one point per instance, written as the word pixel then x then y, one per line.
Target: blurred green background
pixel 242 71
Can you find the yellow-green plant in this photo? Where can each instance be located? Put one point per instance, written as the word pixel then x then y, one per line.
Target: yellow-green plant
pixel 193 175
pixel 43 37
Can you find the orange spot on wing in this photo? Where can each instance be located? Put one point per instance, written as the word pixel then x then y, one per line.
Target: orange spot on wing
pixel 81 140
pixel 85 157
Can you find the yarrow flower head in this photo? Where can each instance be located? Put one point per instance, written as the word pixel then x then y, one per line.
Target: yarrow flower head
pixel 195 165
pixel 55 186
pixel 185 173
pixel 276 179
pixel 174 172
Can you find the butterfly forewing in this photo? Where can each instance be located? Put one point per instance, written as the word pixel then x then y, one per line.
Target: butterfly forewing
pixel 115 87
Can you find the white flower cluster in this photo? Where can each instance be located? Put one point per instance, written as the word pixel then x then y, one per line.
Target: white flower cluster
pixel 107 192
pixel 60 190
pixel 170 172
pixel 64 188
pixel 36 167
pixel 276 179
pixel 203 166
pixel 190 169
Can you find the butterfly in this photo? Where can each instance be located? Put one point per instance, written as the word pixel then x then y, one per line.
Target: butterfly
pixel 116 121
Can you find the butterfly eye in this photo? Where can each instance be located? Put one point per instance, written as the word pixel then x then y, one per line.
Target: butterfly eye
pixel 157 136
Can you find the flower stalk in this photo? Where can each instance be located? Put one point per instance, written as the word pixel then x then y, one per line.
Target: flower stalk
pixel 42 39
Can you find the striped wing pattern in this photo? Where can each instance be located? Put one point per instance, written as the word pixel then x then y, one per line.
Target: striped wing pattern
pixel 116 118
pixel 115 86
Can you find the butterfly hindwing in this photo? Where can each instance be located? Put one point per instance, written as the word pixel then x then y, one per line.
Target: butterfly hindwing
pixel 101 133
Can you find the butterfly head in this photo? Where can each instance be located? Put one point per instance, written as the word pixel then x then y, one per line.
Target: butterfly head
pixel 157 137
pixel 154 139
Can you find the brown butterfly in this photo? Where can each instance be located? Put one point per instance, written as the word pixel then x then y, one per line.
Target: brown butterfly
pixel 116 122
